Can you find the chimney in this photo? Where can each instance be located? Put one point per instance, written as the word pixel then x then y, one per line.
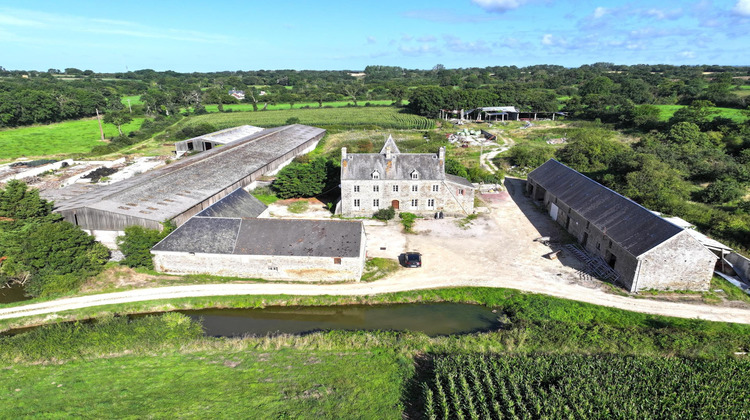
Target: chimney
pixel 441 153
pixel 343 153
pixel 388 154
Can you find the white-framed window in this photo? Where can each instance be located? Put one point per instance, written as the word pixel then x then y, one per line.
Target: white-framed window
pixel 435 188
pixel 395 188
pixel 376 203
pixel 414 174
pixel 376 188
pixel 356 202
pixel 430 203
pixel 375 175
pixel 356 188
pixel 414 203
pixel 415 188
pixel 461 192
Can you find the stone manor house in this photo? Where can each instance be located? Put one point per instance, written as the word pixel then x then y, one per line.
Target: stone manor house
pixel 411 182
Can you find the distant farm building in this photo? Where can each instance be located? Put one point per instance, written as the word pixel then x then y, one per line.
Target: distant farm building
pixel 644 250
pixel 227 239
pixel 412 182
pixel 497 113
pixel 184 188
pixel 238 94
pixel 215 139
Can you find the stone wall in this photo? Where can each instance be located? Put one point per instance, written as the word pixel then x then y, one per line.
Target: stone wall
pixel 304 269
pixel 400 194
pixel 679 263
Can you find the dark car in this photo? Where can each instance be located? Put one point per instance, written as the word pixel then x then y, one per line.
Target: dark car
pixel 413 259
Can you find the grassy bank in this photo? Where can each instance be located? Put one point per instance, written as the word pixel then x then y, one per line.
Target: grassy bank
pixel 63 138
pixel 162 367
pixel 738 115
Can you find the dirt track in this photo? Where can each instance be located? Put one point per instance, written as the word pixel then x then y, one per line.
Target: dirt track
pixel 496 250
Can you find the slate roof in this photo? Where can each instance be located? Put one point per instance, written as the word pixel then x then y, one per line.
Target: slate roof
pixel 400 167
pixel 626 222
pixel 167 192
pixel 272 237
pixel 458 180
pixel 238 203
pixel 390 143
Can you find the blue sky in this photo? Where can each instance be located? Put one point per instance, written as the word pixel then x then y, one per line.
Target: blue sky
pixel 219 35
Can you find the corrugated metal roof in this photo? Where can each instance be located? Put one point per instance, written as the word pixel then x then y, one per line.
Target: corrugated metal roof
pixel 239 203
pixel 272 237
pixel 167 192
pixel 626 222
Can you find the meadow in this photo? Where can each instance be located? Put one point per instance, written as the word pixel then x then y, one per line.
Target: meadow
pixel 273 107
pixel 347 117
pixel 737 115
pixel 64 138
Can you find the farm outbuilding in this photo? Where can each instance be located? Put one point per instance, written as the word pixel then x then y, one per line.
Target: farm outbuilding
pixel 645 250
pixel 182 189
pixel 281 249
pixel 212 140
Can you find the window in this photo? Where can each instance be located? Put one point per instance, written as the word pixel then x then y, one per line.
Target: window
pixel 430 203
pixel 356 202
pixel 356 188
pixel 376 203
pixel 375 175
pixel 414 203
pixel 414 188
pixel 336 260
pixel 375 188
pixel 460 192
pixel 414 174
pixel 395 188
pixel 435 188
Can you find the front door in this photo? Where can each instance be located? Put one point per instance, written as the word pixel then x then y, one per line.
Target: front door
pixel 394 204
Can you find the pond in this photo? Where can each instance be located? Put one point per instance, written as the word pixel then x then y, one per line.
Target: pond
pixel 433 319
pixel 12 294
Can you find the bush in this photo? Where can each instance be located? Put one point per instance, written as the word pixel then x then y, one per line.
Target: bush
pixel 407 220
pixel 292 120
pixel 302 180
pixel 137 242
pixel 722 191
pixel 525 156
pixel 385 214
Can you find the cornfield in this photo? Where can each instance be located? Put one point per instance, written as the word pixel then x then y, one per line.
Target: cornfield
pixel 353 117
pixel 583 387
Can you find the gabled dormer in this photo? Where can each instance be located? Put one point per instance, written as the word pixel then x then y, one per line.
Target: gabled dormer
pixel 375 174
pixel 389 148
pixel 414 174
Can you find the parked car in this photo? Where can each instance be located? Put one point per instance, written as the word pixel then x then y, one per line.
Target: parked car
pixel 413 259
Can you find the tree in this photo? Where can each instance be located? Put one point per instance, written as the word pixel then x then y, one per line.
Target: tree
pixel 698 113
pixel 118 118
pixel 722 191
pixel 305 179
pixel 353 90
pixel 137 242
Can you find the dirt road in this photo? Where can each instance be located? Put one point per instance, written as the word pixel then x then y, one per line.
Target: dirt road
pixel 495 250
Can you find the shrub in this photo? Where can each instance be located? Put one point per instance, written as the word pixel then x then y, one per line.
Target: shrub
pixel 722 191
pixel 385 214
pixel 407 220
pixel 292 120
pixel 137 242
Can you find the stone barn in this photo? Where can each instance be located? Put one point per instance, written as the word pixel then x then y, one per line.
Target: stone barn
pixel 411 182
pixel 278 249
pixel 181 189
pixel 644 249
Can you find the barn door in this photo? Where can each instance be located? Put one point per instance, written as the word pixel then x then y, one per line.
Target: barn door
pixel 553 211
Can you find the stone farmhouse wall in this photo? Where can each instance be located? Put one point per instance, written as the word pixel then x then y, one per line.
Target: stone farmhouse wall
pixel 304 269
pixel 450 198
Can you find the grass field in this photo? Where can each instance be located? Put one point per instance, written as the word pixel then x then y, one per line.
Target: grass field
pixel 734 114
pixel 383 117
pixel 134 100
pixel 63 138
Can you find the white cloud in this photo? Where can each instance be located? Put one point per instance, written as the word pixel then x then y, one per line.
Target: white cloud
pixel 498 6
pixel 371 40
pixel 455 44
pixel 742 8
pixel 548 39
pixel 599 12
pixel 14 21
pixel 553 41
pixel 687 54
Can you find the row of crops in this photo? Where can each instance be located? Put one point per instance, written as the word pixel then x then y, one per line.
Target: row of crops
pixel 350 117
pixel 584 387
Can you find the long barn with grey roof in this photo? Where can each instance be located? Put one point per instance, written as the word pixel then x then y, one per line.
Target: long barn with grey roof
pixel 647 251
pixel 413 182
pixel 227 240
pixel 184 188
